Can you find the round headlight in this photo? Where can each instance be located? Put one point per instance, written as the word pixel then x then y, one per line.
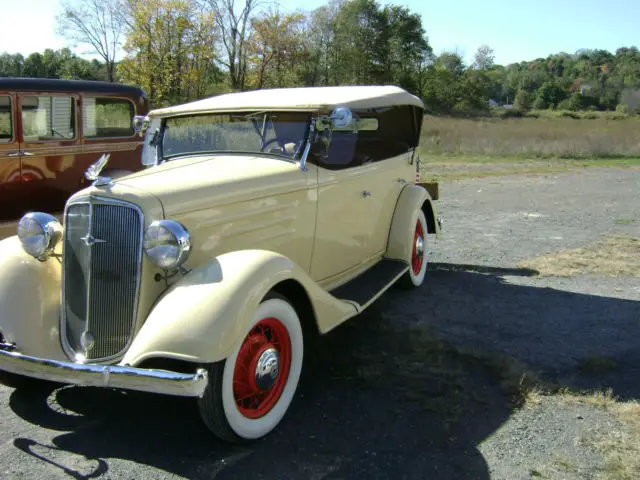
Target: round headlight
pixel 167 244
pixel 39 233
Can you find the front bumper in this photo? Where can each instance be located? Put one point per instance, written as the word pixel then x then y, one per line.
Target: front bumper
pixel 113 376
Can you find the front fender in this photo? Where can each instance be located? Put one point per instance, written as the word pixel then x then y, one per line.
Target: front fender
pixel 30 301
pixel 205 315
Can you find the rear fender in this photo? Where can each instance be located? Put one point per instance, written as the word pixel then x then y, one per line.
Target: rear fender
pixel 204 316
pixel 412 199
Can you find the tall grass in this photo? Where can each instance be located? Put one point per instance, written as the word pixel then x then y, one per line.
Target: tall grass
pixel 544 137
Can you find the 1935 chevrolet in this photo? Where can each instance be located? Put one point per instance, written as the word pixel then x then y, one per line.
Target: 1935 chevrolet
pixel 259 216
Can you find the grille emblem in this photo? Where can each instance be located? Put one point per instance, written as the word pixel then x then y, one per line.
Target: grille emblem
pixel 89 240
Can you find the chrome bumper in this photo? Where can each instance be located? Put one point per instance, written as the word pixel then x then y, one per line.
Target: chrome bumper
pixel 113 376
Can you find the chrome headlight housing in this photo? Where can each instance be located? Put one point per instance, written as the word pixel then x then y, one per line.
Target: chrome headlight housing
pixel 167 244
pixel 39 233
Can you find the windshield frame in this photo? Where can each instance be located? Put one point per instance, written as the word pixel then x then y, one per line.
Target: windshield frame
pixel 259 120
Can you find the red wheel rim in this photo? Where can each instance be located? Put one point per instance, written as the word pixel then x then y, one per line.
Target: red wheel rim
pixel 267 335
pixel 417 257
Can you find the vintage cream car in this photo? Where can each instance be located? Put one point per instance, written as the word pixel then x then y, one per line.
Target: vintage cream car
pixel 261 217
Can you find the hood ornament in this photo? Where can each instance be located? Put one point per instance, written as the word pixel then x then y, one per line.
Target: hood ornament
pixel 93 172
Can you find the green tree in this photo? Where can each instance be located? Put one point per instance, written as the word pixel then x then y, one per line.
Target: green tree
pixel 484 58
pixel 523 100
pixel 274 49
pixel 451 62
pixel 549 95
pixel 169 51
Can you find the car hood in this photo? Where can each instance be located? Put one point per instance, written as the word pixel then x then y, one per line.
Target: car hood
pixel 188 184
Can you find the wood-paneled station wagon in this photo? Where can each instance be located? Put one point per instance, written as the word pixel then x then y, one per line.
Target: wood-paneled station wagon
pixel 261 217
pixel 51 130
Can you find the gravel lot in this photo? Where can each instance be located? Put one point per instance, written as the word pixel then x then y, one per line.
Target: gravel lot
pixel 377 401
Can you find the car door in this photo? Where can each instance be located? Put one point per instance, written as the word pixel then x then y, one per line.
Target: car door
pixel 344 207
pixel 385 180
pixel 9 165
pixel 386 142
pixel 49 149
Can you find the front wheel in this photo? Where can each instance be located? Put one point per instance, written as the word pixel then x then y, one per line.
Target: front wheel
pixel 418 253
pixel 249 392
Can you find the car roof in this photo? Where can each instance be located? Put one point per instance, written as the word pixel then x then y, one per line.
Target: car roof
pixel 298 99
pixel 51 85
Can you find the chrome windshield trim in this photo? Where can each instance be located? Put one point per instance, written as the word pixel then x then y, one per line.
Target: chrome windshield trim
pixel 92 200
pixel 307 147
pixel 111 376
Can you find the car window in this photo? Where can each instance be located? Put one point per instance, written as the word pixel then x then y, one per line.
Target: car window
pixel 278 133
pixel 48 118
pixel 393 137
pixel 335 150
pixel 107 117
pixel 6 123
pixel 390 133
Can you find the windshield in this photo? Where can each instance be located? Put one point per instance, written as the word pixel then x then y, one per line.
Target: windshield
pixel 273 133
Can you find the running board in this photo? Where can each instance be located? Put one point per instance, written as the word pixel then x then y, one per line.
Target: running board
pixel 367 286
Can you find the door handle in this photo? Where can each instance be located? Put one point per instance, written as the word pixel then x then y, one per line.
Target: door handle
pixel 365 194
pixel 28 154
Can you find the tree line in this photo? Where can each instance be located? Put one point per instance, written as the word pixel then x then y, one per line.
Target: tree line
pixel 181 50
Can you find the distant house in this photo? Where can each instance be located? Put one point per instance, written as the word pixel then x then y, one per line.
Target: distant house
pixel 585 88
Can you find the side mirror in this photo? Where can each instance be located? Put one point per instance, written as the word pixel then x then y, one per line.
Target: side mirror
pixel 140 124
pixel 341 117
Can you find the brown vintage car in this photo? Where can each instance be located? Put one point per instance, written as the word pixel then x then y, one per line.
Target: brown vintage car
pixel 52 130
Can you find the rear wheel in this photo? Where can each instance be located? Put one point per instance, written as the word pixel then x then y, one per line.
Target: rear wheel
pixel 418 257
pixel 249 392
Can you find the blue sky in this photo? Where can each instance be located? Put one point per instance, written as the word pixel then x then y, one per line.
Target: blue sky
pixel 515 30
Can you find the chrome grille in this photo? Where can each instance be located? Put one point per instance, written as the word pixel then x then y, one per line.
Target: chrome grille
pixel 102 253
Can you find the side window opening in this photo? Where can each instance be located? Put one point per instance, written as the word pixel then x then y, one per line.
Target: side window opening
pixel 104 117
pixel 335 150
pixel 6 119
pixel 393 137
pixel 390 132
pixel 48 118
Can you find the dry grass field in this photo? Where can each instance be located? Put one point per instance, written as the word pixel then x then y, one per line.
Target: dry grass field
pixel 532 138
pixel 613 256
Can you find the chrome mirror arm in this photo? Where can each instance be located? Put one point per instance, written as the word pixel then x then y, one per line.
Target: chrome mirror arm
pixel 312 133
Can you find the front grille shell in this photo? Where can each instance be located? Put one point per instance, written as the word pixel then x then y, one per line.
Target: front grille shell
pixel 101 282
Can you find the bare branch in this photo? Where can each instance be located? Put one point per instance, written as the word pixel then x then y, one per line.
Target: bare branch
pixel 94 23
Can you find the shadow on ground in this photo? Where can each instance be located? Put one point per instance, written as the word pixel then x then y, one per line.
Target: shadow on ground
pixel 382 396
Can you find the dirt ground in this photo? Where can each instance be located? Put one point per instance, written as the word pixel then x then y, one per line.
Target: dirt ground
pixel 439 382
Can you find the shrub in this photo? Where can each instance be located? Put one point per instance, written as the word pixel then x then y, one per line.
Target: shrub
pixel 523 100
pixel 565 105
pixel 622 108
pixel 540 104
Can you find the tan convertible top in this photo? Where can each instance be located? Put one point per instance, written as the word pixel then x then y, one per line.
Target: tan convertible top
pixel 302 98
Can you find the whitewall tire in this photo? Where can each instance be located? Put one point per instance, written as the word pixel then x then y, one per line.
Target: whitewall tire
pixel 250 392
pixel 417 252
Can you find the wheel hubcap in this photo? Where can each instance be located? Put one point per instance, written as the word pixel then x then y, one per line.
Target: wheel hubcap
pixel 262 368
pixel 417 256
pixel 267 368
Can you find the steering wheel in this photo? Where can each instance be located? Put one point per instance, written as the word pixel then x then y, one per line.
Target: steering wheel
pixel 281 143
